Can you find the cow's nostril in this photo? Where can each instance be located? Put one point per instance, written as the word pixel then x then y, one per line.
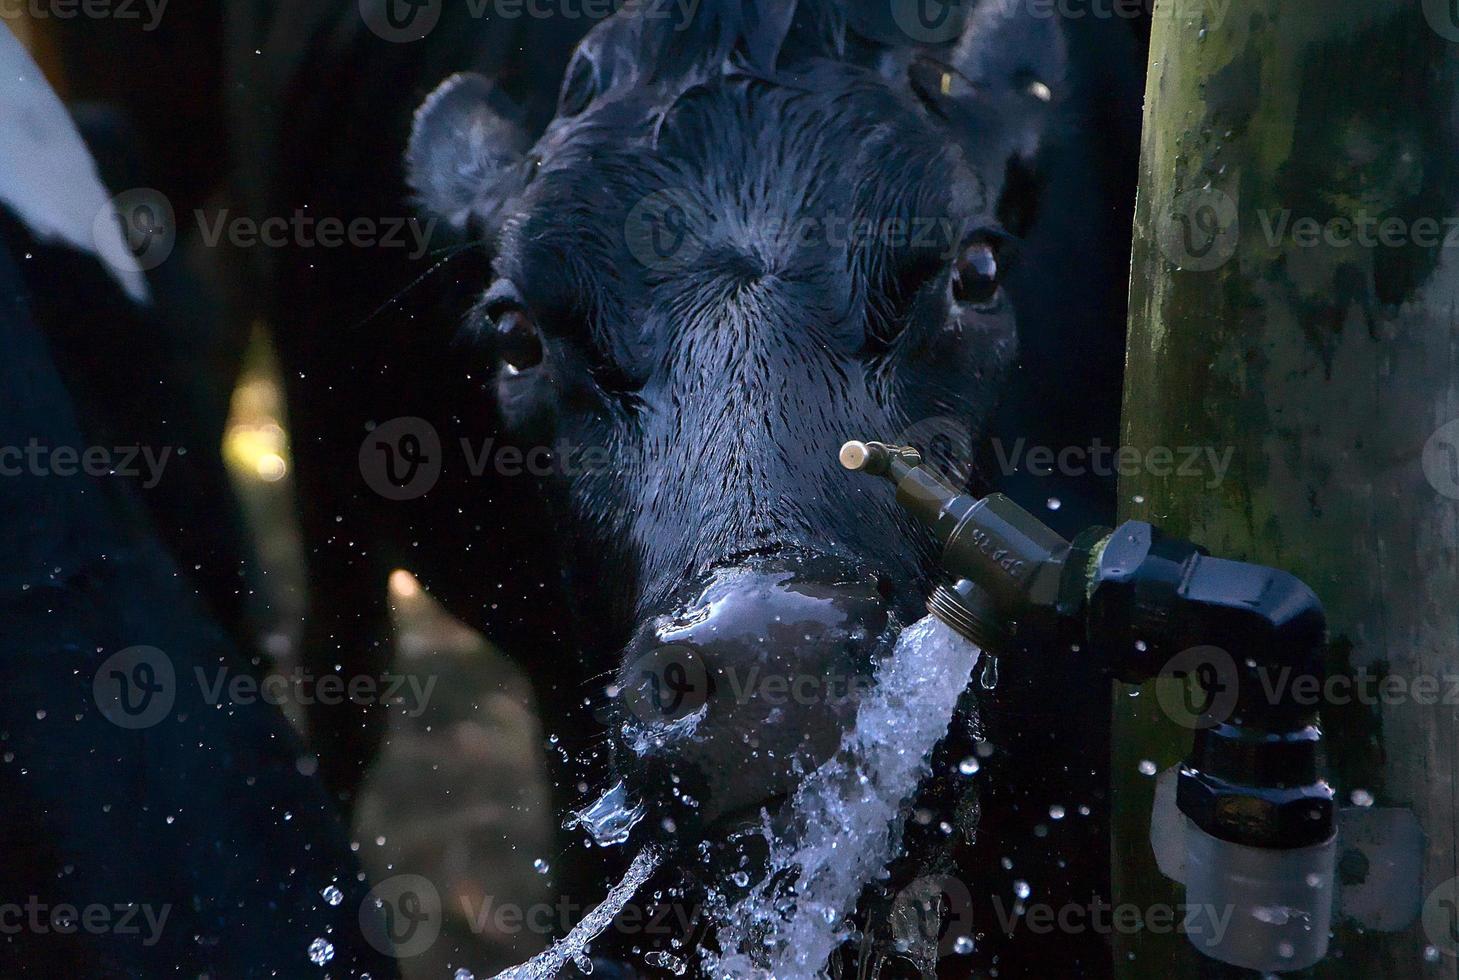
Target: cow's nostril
pixel 750 685
pixel 752 554
pixel 664 692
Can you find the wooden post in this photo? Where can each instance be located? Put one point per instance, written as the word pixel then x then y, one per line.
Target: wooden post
pixel 1293 322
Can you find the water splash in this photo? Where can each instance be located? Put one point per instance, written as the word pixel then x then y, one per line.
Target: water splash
pixel 610 818
pixel 847 814
pixel 574 946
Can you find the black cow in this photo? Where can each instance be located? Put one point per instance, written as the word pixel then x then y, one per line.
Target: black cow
pixel 153 825
pixel 740 237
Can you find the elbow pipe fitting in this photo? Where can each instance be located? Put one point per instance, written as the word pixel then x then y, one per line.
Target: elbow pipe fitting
pixel 1135 598
pixel 1262 818
pixel 1254 776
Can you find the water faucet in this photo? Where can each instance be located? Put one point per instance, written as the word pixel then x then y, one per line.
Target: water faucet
pixel 1261 820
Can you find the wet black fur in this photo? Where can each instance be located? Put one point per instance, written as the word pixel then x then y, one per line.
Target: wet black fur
pixel 724 389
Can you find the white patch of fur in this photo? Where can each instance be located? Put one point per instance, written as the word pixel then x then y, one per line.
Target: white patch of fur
pixel 47 176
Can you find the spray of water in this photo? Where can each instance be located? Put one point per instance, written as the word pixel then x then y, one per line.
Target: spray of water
pixel 848 814
pixel 547 964
pixel 846 824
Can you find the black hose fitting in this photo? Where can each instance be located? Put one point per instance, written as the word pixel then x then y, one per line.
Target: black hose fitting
pixel 1135 599
pixel 1254 773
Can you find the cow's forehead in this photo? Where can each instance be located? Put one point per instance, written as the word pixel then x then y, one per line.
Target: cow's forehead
pixel 809 169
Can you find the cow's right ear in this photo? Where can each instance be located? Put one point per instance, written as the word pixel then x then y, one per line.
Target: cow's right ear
pixel 467 155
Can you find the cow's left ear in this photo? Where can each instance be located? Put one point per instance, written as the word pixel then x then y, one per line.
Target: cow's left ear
pixel 997 84
pixel 467 155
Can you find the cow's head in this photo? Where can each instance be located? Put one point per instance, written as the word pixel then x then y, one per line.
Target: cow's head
pixel 746 237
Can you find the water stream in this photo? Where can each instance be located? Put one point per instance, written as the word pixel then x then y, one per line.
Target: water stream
pixel 846 826
pixel 574 946
pixel 848 814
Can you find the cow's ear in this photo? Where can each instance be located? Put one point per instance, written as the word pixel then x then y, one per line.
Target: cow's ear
pixel 467 153
pixel 997 82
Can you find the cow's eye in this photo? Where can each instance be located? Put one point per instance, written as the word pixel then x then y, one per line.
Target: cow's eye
pixel 518 342
pixel 975 277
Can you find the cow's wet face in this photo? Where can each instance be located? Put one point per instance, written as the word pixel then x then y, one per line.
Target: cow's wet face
pixel 707 279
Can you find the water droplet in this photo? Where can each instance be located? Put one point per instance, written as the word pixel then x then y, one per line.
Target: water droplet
pixel 668 961
pixel 968 766
pixel 463 974
pixel 1056 811
pixel 989 678
pixel 962 945
pixel 1361 797
pixel 321 951
pixel 1054 503
pixel 1021 889
pixel 1272 915
pixel 1431 954
pixel 332 895
pixel 584 965
pixel 1147 768
pixel 541 867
